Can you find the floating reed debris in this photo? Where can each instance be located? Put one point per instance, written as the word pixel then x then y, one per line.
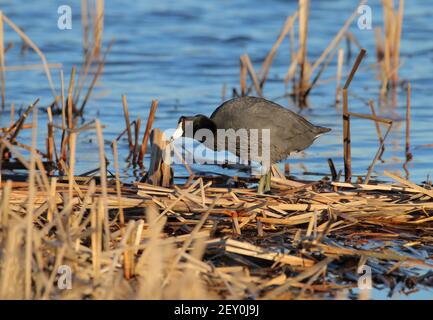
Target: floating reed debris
pixel 222 242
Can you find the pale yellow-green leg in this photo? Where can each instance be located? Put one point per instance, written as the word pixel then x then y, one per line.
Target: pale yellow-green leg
pixel 268 181
pixel 264 183
pixel 261 186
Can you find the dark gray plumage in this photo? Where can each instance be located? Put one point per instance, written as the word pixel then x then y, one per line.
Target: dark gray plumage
pixel 289 132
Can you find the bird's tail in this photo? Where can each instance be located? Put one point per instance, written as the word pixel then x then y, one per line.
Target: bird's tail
pixel 320 131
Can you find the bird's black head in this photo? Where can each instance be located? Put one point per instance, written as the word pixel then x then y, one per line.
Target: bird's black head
pixel 189 126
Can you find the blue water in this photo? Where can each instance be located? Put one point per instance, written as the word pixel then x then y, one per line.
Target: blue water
pixel 183 52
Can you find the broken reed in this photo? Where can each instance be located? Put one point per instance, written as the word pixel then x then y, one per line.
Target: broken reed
pixel 346 119
pixel 149 125
pixel 346 125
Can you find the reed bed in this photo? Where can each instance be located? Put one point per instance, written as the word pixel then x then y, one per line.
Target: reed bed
pixel 306 240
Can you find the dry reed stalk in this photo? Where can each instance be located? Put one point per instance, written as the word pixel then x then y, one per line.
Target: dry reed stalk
pixel 103 174
pixel 127 122
pixel 377 124
pixel 302 53
pixel 408 154
pixel 182 159
pixel 187 243
pixel 388 8
pixel 379 44
pixel 96 76
pixel 370 117
pixel 2 62
pixel 5 198
pixel 50 137
pixel 346 119
pixel 378 154
pixel 29 67
pixel 126 255
pixel 136 138
pixel 49 285
pixel 31 44
pixel 20 122
pixel 336 40
pixel 393 25
pixel 98 26
pixel 346 137
pixel 85 24
pixel 71 171
pixel 409 184
pixel 51 200
pixel 62 98
pixel 332 169
pixel 159 172
pixel 118 187
pixel 264 70
pixel 245 59
pixel 243 77
pixel 339 73
pixel 317 76
pixel 96 225
pixel 149 125
pixel 70 102
pixel 30 209
pixel 397 38
pixel 12 115
pixel 407 149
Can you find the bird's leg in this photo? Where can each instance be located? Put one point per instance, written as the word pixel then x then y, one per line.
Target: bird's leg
pixel 261 186
pixel 268 181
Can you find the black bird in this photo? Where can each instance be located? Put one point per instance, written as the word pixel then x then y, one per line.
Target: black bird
pixel 288 131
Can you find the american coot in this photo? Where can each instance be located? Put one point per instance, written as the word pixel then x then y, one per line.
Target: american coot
pixel 287 131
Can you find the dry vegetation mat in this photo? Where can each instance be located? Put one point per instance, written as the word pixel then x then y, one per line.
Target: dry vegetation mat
pixel 305 240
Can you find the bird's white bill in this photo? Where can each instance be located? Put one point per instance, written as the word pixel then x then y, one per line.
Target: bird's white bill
pixel 178 133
